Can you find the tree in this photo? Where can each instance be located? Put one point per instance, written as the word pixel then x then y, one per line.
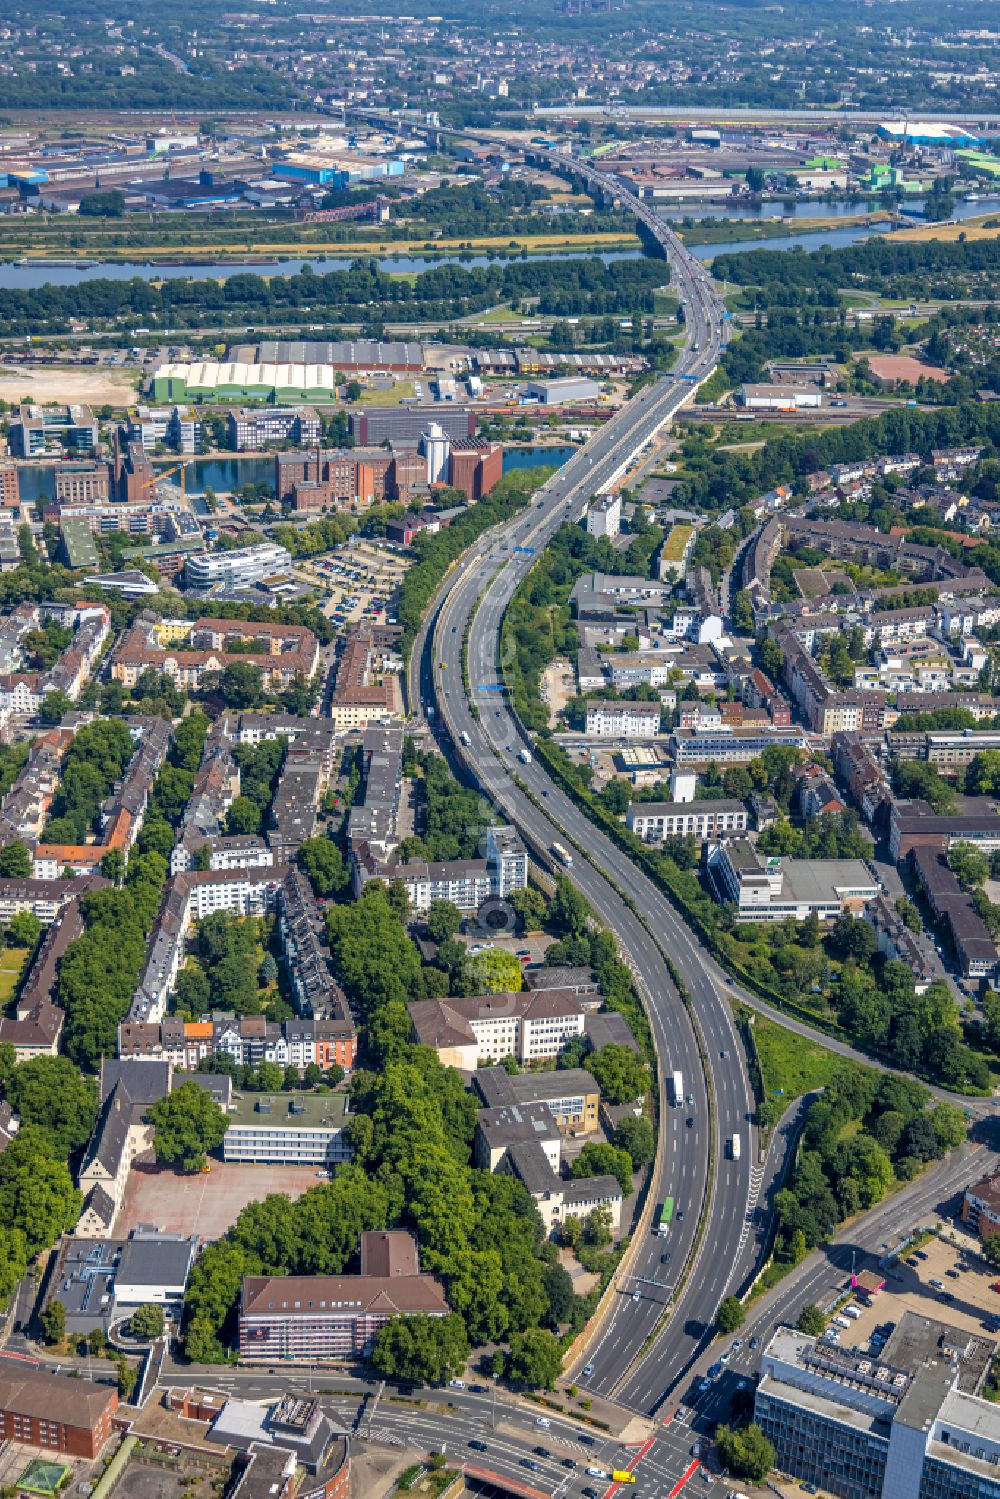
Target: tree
pixel 969 864
pixel 597 1227
pixel 991 1249
pixel 568 913
pixel 243 817
pixel 242 685
pixel 192 991
pixel 850 937
pixel 621 1075
pixel 188 1123
pixel 53 1094
pixel 443 920
pixel 531 907
pixel 147 1322
pixel 747 1453
pixel 605 1160
pixel 55 706
pixel 495 972
pixel 53 1320
pixel 15 860
pixel 24 929
pixel 949 1125
pixel 730 1316
pixel 37 1195
pixel 323 862
pixel 423 1350
pixel 636 1135
pixel 534 1360
pixel 562 1298
pixel 113 866
pixel 811 1321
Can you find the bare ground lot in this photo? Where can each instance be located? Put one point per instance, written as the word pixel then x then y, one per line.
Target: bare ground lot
pixel 207 1204
pixel 92 387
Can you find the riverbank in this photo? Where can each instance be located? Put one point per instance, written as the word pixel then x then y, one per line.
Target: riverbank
pixel 729 231
pixel 265 253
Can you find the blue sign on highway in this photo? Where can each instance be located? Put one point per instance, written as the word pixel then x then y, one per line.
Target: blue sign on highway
pixel 490 687
pixel 690 377
pixel 530 550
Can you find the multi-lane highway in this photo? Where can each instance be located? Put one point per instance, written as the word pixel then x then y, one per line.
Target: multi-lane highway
pixel 694 1164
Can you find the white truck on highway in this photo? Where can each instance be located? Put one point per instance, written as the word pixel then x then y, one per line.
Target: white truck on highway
pixel 734 1147
pixel 464 736
pixel 524 756
pixel 677 1085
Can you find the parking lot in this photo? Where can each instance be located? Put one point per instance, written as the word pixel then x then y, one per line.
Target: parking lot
pixel 360 578
pixel 931 1284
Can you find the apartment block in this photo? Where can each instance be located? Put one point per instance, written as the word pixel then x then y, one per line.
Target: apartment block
pixel 654 821
pixel 611 720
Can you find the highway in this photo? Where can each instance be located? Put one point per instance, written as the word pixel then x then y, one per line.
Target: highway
pixel 693 1161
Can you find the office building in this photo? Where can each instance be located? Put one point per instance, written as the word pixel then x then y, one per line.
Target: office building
pixel 288 1129
pixel 317 1317
pixel 907 1423
pixel 236 569
pixel 37 430
pixel 570 1094
pixel 774 889
pixel 530 1026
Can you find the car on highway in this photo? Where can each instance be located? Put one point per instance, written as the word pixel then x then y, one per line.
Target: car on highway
pixel 690 1121
pixel 569 1462
pixel 529 1463
pixel 665 1258
pixel 456 1384
pixel 715 1370
pixel 725 1357
pixel 542 1452
pixel 543 1422
pixel 589 1493
pixel 737 1345
pixel 588 1370
pixel 478 1446
pixel 704 1385
pixel 596 1473
pixel 690 1100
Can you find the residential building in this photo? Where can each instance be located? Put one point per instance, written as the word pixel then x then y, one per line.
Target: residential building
pixel 773 889
pixel 366 685
pixel 467 883
pixel 10 490
pixel 654 821
pixel 288 1129
pixel 895 941
pixel 291 1318
pixel 256 426
pixel 676 550
pixel 176 427
pixel 530 1026
pixel 604 515
pixel 291 651
pixel 53 1411
pixel 975 950
pixel 622 720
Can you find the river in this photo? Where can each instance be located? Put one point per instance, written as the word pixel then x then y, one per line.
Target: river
pixel 223 475
pixel 39 272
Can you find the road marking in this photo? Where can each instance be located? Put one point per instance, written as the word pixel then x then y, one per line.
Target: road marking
pixel 685 1476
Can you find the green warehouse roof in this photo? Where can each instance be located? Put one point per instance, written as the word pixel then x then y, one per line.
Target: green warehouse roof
pixel 79 544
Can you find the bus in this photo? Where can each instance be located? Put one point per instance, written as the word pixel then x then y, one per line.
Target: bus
pixel 666 1216
pixel 562 854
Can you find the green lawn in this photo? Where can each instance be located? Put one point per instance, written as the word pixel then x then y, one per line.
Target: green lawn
pixel 12 960
pixel 791 1065
pixel 388 397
